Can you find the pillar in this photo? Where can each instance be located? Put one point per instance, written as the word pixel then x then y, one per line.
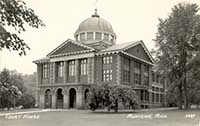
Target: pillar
pixel 77 71
pixel 54 73
pixel 79 98
pixel 65 72
pixel 150 85
pixel 66 98
pixel 142 74
pixel 41 105
pixel 53 99
pixel 118 69
pixel 38 82
pixel 90 70
pixel 132 71
pixel 39 74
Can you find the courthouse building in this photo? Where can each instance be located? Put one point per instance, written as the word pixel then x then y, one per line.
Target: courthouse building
pixel 65 75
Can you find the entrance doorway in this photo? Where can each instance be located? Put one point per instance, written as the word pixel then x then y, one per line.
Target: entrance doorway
pixel 47 98
pixel 59 98
pixel 72 98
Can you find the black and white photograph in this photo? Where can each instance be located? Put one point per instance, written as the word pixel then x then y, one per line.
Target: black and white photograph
pixel 99 62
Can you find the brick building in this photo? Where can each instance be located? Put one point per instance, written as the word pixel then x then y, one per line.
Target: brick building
pixel 66 73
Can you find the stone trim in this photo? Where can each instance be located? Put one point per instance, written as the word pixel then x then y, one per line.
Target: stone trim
pixel 137 58
pixel 118 75
pixel 70 41
pixel 72 57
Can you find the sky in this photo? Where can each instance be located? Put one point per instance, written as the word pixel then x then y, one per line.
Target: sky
pixel 131 20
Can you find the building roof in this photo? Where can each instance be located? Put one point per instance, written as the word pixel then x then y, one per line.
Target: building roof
pixel 124 46
pixel 95 23
pixel 42 60
pixel 121 46
pixel 70 41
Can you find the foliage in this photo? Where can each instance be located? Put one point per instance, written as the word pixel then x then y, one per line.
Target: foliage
pixel 177 42
pixel 12 90
pixel 15 14
pixel 110 95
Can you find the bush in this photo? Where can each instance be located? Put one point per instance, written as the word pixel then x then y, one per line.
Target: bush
pixel 101 96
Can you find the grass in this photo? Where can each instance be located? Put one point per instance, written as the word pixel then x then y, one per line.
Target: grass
pixel 88 118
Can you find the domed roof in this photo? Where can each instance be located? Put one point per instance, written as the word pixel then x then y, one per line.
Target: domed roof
pixel 95 24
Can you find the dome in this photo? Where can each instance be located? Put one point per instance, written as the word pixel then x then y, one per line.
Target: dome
pixel 92 26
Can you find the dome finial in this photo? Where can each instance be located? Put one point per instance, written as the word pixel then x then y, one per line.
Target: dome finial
pixel 95 13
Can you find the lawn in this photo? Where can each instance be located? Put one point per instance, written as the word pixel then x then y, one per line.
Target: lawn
pixel 88 118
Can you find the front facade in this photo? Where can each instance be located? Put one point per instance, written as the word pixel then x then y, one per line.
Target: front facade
pixel 93 58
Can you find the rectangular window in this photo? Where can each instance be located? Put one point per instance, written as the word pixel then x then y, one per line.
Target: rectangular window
pixel 107 59
pixel 126 71
pixel 157 78
pixel 146 75
pixel 72 68
pixel 137 73
pixel 90 36
pixel 137 78
pixel 44 70
pixel 112 38
pixel 60 69
pixel 153 77
pixel 157 98
pixel 98 35
pixel 107 75
pixel 153 98
pixel 76 37
pixel 82 36
pixel 146 95
pixel 83 66
pixel 141 95
pixel 126 77
pixel 106 37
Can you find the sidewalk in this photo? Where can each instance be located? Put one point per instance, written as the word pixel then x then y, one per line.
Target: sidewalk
pixel 27 111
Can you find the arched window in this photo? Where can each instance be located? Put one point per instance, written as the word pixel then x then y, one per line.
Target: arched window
pixel 85 94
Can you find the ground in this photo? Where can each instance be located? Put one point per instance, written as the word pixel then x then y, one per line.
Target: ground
pixel 88 118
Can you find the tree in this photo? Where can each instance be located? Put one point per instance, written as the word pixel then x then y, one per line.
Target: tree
pixel 177 42
pixel 110 95
pixel 15 14
pixel 9 92
pixel 13 92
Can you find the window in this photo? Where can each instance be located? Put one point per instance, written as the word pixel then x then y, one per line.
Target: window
pixel 126 71
pixel 126 77
pixel 60 69
pixel 157 78
pixel 72 68
pixel 161 98
pixel 157 98
pixel 141 95
pixel 112 38
pixel 82 36
pixel 83 66
pixel 44 70
pixel 153 77
pixel 106 37
pixel 107 59
pixel 153 98
pixel 137 78
pixel 137 73
pixel 98 35
pixel 107 75
pixel 146 95
pixel 76 37
pixel 146 75
pixel 90 36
